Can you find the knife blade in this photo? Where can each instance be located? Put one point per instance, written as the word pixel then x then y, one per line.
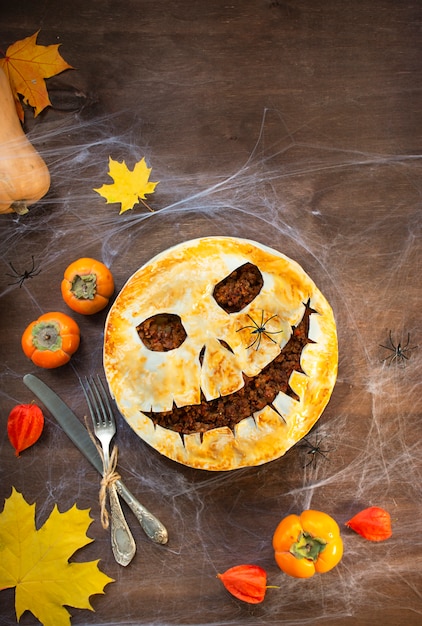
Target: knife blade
pixel 79 435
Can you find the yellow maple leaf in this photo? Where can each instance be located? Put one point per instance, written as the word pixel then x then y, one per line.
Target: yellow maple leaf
pixel 36 561
pixel 26 65
pixel 130 186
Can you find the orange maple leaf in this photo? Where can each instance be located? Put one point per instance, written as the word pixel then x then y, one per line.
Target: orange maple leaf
pixel 26 65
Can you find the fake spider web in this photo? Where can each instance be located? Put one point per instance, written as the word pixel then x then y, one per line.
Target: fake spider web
pixel 365 263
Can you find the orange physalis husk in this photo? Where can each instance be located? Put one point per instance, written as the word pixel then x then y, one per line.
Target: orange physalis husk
pixel 373 523
pixel 24 426
pixel 245 582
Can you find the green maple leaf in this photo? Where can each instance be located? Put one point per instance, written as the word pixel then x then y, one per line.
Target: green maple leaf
pixel 35 562
pixel 130 186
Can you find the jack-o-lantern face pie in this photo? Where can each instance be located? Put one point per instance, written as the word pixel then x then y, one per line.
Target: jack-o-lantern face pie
pixel 221 353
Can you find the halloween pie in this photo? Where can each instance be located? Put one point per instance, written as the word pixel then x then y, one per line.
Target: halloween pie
pixel 220 353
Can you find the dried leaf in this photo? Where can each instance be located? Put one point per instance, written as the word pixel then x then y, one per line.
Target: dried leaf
pixel 245 582
pixel 36 561
pixel 26 65
pixel 129 186
pixel 373 523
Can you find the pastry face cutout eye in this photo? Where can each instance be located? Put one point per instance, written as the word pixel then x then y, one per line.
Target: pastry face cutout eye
pixel 162 332
pixel 239 288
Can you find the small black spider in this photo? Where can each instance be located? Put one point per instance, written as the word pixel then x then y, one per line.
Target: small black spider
pixel 34 271
pixel 259 330
pixel 399 352
pixel 314 450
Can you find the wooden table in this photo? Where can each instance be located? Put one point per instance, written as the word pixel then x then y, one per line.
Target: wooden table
pixel 296 124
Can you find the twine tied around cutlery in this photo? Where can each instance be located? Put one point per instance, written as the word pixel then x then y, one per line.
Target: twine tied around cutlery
pixel 109 477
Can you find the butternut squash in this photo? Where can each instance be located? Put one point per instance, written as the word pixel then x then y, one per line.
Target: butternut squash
pixel 24 176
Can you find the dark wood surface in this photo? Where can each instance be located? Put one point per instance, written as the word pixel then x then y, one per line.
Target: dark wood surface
pixel 297 124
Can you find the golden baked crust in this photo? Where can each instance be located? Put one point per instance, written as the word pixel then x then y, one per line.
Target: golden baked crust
pixel 181 281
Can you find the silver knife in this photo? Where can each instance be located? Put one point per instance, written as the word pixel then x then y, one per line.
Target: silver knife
pixel 79 435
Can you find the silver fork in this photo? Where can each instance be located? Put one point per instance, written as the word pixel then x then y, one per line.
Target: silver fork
pixel 122 542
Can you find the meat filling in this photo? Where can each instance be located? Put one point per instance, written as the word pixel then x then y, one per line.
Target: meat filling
pixel 256 393
pixel 162 332
pixel 239 288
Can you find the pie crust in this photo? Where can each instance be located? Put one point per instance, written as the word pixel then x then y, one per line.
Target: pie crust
pixel 217 353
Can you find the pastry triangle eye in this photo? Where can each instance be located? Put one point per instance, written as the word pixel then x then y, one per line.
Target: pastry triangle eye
pixel 239 288
pixel 162 332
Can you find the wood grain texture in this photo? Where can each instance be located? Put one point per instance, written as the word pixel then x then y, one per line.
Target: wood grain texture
pixel 297 124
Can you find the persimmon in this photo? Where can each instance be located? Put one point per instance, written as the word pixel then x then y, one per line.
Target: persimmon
pixel 87 286
pixel 307 543
pixel 51 340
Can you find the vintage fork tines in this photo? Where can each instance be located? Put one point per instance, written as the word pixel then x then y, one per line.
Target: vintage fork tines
pixel 101 413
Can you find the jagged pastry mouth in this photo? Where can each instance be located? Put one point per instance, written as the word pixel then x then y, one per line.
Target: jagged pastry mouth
pixel 258 391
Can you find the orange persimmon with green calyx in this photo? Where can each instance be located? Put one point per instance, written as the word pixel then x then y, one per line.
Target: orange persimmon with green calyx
pixel 87 286
pixel 51 340
pixel 307 543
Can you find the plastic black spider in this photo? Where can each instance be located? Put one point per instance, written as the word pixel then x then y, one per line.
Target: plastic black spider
pixel 259 330
pixel 21 278
pixel 314 450
pixel 399 352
